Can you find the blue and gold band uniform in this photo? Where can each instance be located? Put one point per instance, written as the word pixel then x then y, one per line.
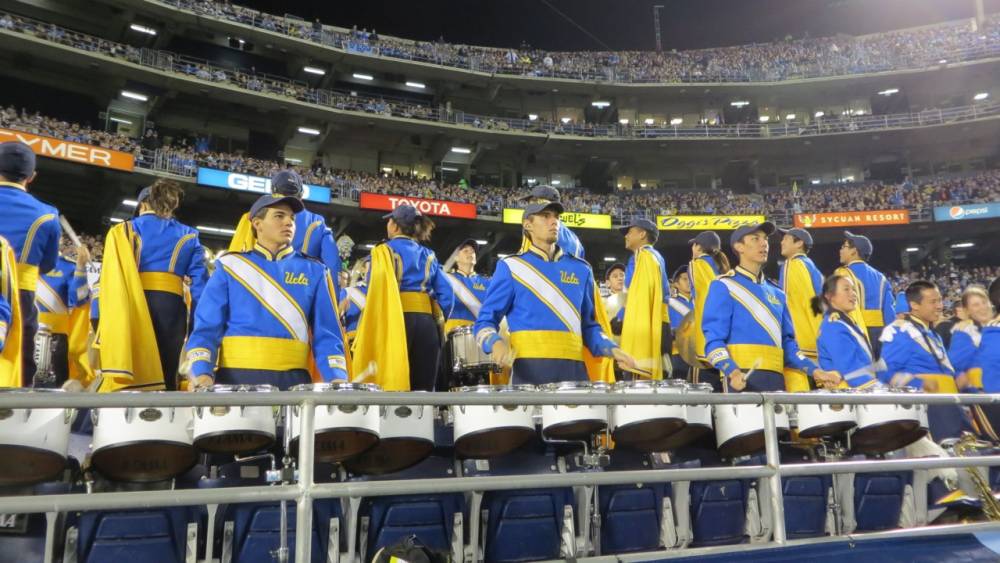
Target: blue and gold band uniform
pixel 965 339
pixel 680 306
pixel 422 283
pixel 549 305
pixel 55 299
pixel 747 324
pixel 914 356
pixel 801 280
pixel 659 311
pixel 469 290
pixel 353 300
pixel 10 318
pixel 169 251
pixel 262 315
pixel 843 347
pixel 702 271
pixel 876 303
pixel 32 229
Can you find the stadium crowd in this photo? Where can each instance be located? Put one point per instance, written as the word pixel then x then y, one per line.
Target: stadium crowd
pixel 951 278
pixel 777 60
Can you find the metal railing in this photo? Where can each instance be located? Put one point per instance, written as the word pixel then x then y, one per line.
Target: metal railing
pixel 600 67
pixel 306 489
pixel 388 107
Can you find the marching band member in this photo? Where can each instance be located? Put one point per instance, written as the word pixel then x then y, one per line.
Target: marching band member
pixel 614 303
pixel 747 324
pixel 646 334
pixel 143 312
pixel 10 318
pixel 877 303
pixel 56 300
pixel 966 335
pixel 708 262
pixel 842 345
pixel 265 311
pixel 914 356
pixel 353 298
pixel 801 281
pixel 404 282
pixel 567 241
pixel 468 286
pixel 680 306
pixel 985 372
pixel 312 236
pixel 547 296
pixel 32 230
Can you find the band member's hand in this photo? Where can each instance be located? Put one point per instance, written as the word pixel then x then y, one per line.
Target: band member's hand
pixel 623 360
pixel 962 380
pixel 200 382
pixel 737 380
pixel 73 386
pixel 82 257
pixel 500 353
pixel 826 379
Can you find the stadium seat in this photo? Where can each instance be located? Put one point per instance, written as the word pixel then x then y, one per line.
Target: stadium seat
pixel 878 500
pixel 159 535
pixel 718 511
pixel 632 514
pixel 437 520
pixel 23 536
pixel 805 501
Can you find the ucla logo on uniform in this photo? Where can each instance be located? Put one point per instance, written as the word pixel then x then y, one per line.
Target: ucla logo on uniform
pixel 55 274
pixel 568 277
pixel 292 279
pixel 479 287
pixel 772 299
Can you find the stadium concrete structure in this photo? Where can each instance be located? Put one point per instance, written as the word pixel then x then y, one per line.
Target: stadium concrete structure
pixel 130 65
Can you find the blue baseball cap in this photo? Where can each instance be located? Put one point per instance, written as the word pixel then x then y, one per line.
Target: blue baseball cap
pixel 270 200
pixel 766 227
pixel 17 162
pixel 543 191
pixel 644 224
pixel 286 182
pixel 707 239
pixel 468 242
pixel 862 243
pixel 679 272
pixel 800 234
pixel 403 215
pixel 533 208
pixel 143 195
pixel 613 267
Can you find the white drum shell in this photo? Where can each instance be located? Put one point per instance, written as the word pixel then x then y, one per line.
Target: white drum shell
pixel 624 415
pixel 732 421
pixel 466 351
pixel 213 421
pixel 553 415
pixel 814 416
pixel 700 415
pixel 119 426
pixel 42 429
pixel 872 415
pixel 338 417
pixel 418 423
pixel 483 418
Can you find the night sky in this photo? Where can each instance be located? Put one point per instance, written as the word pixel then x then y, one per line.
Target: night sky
pixel 623 24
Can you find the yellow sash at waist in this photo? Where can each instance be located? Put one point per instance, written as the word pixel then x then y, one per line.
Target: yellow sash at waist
pixel 27 277
pixel 261 352
pixel 547 344
pixel 58 323
pixel 162 281
pixel 416 302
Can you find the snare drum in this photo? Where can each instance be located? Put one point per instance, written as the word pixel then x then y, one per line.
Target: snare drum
pixel 699 424
pixel 235 429
pixel 483 431
pixel 573 422
pixel 341 431
pixel 739 429
pixel 406 438
pixel 634 424
pixel 142 444
pixel 33 442
pixel 466 353
pixel 885 428
pixel 817 421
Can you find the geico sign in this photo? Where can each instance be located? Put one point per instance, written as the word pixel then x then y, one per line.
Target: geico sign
pixel 383 202
pixel 73 152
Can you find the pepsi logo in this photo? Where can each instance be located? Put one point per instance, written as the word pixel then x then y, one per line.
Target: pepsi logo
pixel 956 212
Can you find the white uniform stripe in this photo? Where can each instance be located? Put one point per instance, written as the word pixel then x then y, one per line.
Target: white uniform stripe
pixel 464 295
pixel 47 296
pixel 280 304
pixel 679 306
pixel 862 342
pixel 548 293
pixel 359 299
pixel 759 311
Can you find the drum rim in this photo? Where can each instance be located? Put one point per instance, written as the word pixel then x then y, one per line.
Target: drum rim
pixel 461 330
pixel 337 386
pixel 699 387
pixel 594 386
pixel 238 388
pixel 494 388
pixel 29 390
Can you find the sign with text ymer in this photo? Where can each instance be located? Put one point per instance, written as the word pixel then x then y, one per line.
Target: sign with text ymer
pixel 256 184
pixel 570 219
pixel 70 151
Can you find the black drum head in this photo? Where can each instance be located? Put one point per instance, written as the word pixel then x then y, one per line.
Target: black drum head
pixel 647 430
pixel 576 430
pixel 887 436
pixel 336 445
pixel 830 430
pixel 234 443
pixel 390 455
pixel 492 442
pixel 144 462
pixel 20 465
pixel 687 435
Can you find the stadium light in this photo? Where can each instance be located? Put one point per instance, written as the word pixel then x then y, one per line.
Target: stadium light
pixel 309 131
pixel 600 104
pixel 532 117
pixel 314 70
pixel 963 245
pixel 649 121
pixel 609 258
pixel 130 203
pixel 818 114
pixel 418 85
pixel 623 121
pixel 215 230
pixel 361 76
pixel 556 182
pixel 449 169
pixel 764 118
pixel 135 96
pixel 943 61
pixel 461 150
pixel 482 242
pixel 120 120
pixel 889 92
pixel 368 246
pixel 293 160
pixel 815 181
pixel 386 169
pixel 981 96
pixel 565 120
pixel 790 116
pixel 739 103
pixel 912 249
pixel 142 29
pixel 117 219
pixel 677 121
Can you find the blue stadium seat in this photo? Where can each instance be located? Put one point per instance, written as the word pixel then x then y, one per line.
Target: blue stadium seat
pixel 878 499
pixel 151 536
pixel 23 537
pixel 631 514
pixel 431 518
pixel 718 511
pixel 805 505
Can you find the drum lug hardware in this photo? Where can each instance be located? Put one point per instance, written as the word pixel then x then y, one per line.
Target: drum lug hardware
pixel 67 415
pixel 129 415
pixel 286 474
pixel 94 415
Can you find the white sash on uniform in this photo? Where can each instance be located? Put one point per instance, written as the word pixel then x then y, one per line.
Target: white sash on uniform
pixel 464 294
pixel 546 292
pixel 269 293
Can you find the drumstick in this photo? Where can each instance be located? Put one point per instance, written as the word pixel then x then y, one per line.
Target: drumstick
pixel 69 231
pixel 368 372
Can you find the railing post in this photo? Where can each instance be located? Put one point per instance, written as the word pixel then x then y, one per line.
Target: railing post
pixel 774 464
pixel 304 509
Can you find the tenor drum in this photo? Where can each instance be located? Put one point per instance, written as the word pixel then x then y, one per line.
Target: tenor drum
pixel 466 353
pixel 817 421
pixel 573 422
pixel 888 427
pixel 634 424
pixel 699 424
pixel 483 431
pixel 406 438
pixel 341 431
pixel 142 444
pixel 739 429
pixel 235 429
pixel 33 442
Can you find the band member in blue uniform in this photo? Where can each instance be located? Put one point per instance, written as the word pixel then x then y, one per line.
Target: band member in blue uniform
pixel 708 262
pixel 56 300
pixel 548 299
pixel 567 240
pixel 747 325
pixel 265 311
pixel 353 298
pixel 614 302
pixel 984 375
pixel 32 230
pixel 966 335
pixel 842 345
pixel 646 334
pixel 877 304
pixel 800 281
pixel 680 307
pixel 469 287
